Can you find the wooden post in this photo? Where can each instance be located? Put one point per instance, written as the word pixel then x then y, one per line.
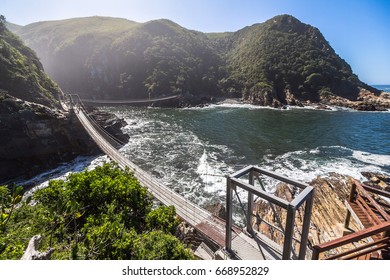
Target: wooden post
pixel 352 195
pixel 288 235
pixel 250 205
pixel 316 253
pixel 306 226
pixel 229 215
pixel 347 219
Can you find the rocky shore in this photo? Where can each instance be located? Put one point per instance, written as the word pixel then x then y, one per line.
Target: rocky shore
pixel 34 137
pixel 366 101
pixel 328 213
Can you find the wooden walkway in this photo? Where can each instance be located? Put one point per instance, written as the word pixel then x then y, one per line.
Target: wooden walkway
pixel 243 246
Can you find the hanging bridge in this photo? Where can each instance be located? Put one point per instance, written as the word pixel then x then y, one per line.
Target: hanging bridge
pixel 128 101
pixel 234 242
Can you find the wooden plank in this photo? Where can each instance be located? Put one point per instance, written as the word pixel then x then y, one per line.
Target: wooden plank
pixel 368 211
pixel 353 237
pixel 376 191
pixel 360 248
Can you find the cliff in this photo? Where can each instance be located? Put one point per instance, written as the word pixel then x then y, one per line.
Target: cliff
pixel 35 137
pixel 35 133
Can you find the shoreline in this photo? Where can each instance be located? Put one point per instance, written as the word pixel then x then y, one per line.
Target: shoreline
pixel 239 103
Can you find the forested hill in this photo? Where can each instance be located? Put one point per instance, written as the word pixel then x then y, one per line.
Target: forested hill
pixel 280 61
pixel 21 73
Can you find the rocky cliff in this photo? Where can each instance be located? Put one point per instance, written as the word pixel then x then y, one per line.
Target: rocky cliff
pixel 35 133
pixel 34 137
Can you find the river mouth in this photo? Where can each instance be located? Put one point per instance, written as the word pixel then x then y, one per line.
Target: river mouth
pixel 193 150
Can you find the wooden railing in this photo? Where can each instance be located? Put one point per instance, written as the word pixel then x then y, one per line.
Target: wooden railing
pixel 383 242
pixel 377 233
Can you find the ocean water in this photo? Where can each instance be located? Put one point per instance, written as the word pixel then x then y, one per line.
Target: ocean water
pixel 192 150
pixel 382 87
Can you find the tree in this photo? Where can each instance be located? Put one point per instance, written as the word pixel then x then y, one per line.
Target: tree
pixel 3 24
pixel 100 214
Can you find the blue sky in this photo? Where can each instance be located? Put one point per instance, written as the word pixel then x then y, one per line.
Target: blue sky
pixel 359 30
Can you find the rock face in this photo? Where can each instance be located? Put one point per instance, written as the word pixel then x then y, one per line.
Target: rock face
pixel 328 214
pixel 366 101
pixel 34 137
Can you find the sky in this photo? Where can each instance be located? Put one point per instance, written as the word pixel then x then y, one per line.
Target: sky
pixel 358 30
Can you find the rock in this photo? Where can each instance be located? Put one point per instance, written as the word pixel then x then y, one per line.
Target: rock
pixel 34 138
pixel 328 214
pixel 379 176
pixel 217 210
pixel 111 123
pixel 32 253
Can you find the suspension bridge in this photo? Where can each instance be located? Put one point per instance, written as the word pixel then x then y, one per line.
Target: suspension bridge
pixel 234 242
pixel 96 102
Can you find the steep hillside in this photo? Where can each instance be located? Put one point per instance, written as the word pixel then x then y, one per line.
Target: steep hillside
pixel 34 133
pixel 284 60
pixel 21 73
pixel 117 58
pixel 281 61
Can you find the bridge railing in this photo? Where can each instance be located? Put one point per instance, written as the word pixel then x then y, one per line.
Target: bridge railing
pixel 369 247
pixel 305 197
pixel 77 104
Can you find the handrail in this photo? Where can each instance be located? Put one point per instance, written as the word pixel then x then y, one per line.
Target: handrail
pixel 353 237
pixel 362 250
pixel 364 190
pixel 376 191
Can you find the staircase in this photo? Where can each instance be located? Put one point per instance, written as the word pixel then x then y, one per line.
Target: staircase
pixel 374 218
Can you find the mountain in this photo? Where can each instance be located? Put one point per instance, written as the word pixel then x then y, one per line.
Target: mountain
pixel 21 73
pixel 283 59
pixel 280 61
pixel 34 132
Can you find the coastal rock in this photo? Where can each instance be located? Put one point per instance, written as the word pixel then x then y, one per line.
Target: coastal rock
pixel 328 214
pixel 111 123
pixel 217 209
pixel 34 138
pixel 366 101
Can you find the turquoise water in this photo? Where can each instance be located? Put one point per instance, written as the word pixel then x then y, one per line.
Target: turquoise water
pixel 192 150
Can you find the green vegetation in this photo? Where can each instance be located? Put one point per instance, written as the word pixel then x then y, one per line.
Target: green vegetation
pixel 21 72
pixel 266 63
pixel 98 214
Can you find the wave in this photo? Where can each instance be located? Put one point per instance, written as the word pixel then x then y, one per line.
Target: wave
pixel 308 164
pixel 62 172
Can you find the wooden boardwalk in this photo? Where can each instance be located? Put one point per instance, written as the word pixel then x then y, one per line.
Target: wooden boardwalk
pixel 243 246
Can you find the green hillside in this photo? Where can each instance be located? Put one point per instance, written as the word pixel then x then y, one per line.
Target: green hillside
pixel 281 61
pixel 21 73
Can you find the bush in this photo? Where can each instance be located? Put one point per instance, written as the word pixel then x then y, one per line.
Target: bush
pixel 100 214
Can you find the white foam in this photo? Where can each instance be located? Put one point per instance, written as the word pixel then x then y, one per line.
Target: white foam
pixel 381 160
pixel 307 165
pixel 62 172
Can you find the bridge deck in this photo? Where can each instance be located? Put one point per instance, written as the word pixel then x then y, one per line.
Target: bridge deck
pixel 214 228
